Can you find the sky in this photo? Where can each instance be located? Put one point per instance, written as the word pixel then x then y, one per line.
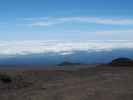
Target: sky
pixel 64 26
pixel 66 20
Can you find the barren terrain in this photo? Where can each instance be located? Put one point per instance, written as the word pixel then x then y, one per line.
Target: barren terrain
pixel 100 82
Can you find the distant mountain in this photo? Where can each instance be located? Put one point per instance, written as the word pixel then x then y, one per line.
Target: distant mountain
pixel 84 57
pixel 67 63
pixel 122 62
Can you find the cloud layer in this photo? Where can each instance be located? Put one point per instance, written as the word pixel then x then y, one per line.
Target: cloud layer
pixel 62 47
pixel 48 21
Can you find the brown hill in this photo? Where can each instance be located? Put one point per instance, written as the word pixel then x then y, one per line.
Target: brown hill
pixel 122 62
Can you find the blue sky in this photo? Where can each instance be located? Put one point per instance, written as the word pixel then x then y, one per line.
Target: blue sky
pixel 66 20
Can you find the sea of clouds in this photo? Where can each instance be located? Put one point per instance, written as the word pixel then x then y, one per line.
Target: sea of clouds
pixel 53 52
pixel 12 48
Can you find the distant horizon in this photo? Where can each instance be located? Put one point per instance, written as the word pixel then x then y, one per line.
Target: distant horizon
pixel 54 52
pixel 60 46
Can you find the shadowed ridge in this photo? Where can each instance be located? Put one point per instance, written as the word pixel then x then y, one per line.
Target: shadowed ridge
pixel 68 63
pixel 122 62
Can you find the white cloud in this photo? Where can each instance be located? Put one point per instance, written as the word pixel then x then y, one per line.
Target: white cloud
pixel 110 32
pixel 48 21
pixel 62 47
pixel 103 33
pixel 42 23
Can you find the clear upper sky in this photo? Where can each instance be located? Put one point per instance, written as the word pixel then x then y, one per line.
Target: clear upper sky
pixel 66 19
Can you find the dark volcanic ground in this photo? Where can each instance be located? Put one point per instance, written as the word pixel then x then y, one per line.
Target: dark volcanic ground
pixel 101 82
